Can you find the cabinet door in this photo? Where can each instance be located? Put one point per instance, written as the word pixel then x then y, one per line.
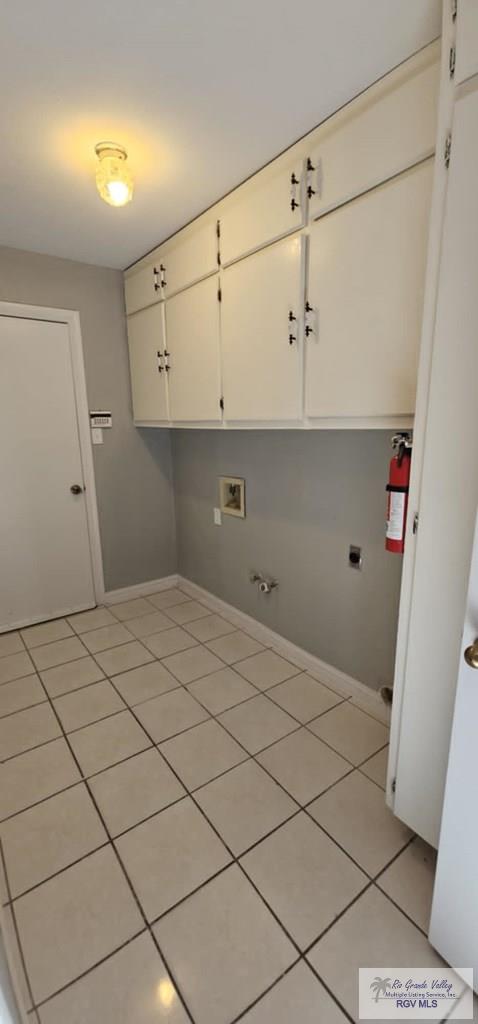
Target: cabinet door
pixel 147 361
pixel 366 281
pixel 267 207
pixel 384 131
pixel 192 331
pixel 261 343
pixel 191 255
pixel 466 37
pixel 142 287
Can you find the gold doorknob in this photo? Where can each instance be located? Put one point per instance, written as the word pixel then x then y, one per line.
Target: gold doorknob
pixel 471 655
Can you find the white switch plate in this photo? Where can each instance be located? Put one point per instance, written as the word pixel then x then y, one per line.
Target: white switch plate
pixel 96 435
pixel 217 517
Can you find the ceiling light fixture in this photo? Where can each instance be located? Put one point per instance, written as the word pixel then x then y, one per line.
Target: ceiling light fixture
pixel 113 179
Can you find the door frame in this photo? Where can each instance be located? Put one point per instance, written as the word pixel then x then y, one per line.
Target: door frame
pixel 71 318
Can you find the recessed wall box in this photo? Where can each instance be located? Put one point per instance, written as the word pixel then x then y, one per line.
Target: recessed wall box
pixel 232 496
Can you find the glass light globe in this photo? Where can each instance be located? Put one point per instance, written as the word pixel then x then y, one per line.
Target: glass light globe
pixel 113 179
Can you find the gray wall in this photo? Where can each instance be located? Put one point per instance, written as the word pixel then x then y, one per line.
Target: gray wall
pixel 132 467
pixel 308 496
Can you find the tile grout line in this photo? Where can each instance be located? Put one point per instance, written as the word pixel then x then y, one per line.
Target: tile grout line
pixel 243 853
pixel 64 988
pixel 184 685
pixel 17 936
pixel 252 757
pixel 249 756
pixel 266 991
pixel 235 860
pixel 304 808
pixel 126 876
pixel 211 715
pixel 61 871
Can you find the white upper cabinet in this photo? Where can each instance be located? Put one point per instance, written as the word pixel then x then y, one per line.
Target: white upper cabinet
pixel 142 287
pixel 192 331
pixel 147 365
pixel 388 128
pixel 263 209
pixel 466 36
pixel 262 334
pixel 366 281
pixel 355 195
pixel 190 256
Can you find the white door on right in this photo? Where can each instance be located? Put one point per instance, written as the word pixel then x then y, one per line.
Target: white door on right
pixel 261 320
pixel 366 282
pixel 454 920
pixel 448 499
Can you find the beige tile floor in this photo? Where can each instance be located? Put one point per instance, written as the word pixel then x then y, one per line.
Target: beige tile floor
pixel 193 829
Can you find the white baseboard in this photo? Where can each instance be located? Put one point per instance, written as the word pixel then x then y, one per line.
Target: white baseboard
pixel 365 698
pixel 140 589
pixel 359 694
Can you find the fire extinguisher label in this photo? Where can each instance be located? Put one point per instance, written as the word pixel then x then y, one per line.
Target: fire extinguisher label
pixel 396 515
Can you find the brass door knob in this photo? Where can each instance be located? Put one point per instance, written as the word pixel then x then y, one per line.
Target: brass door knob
pixel 471 655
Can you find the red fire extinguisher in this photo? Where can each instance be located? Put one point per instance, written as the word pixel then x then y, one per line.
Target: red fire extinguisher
pixel 397 488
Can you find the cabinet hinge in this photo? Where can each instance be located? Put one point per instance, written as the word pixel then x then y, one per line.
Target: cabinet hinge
pixel 452 61
pixel 219 294
pixel 221 404
pixel 394 785
pixel 454 9
pixel 447 150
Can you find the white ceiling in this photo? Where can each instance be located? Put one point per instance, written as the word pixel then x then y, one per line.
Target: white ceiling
pixel 201 93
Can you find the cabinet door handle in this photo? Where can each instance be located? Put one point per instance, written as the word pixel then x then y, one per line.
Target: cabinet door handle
pixel 314 178
pixel 167 365
pixel 311 320
pixel 163 271
pixel 292 319
pixel 157 284
pixel 294 183
pixel 160 356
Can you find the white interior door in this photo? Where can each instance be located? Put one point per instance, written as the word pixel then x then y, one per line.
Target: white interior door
pixel 261 320
pixel 448 498
pixel 454 919
pixel 45 562
pixel 192 335
pixel 366 280
pixel 148 364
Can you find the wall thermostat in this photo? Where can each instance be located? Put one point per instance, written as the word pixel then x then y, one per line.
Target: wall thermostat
pixel 100 419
